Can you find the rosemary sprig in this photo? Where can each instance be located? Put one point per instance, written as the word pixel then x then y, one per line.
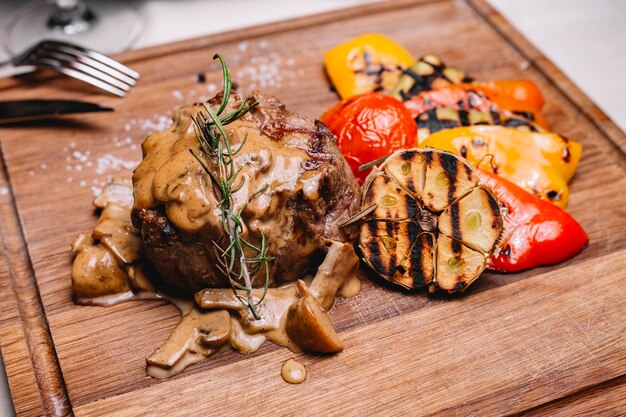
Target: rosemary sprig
pixel 215 145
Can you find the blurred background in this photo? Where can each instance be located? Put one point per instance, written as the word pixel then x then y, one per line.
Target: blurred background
pixel 585 39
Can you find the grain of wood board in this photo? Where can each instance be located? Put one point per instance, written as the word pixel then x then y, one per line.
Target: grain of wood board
pixel 546 341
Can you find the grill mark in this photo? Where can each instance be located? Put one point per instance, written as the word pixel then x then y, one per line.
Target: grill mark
pixel 373 245
pixel 495 211
pixel 456 246
pixel 430 121
pixel 407 155
pixel 448 162
pixel 519 123
pixel 495 116
pixel 463 117
pixel 455 222
pixel 410 185
pixel 469 171
pixel 411 206
pixel 428 157
pixel 417 267
pixel 525 114
pixel 413 230
pixel 566 156
pixel 553 195
pixel 389 228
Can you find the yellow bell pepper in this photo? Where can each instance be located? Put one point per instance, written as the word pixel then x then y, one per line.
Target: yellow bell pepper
pixel 540 162
pixel 368 63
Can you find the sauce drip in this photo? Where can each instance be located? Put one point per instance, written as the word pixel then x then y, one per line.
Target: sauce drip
pixel 293 371
pixel 108 268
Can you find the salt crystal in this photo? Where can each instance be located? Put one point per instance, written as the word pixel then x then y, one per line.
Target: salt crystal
pixel 177 95
pixel 243 46
pixel 4 191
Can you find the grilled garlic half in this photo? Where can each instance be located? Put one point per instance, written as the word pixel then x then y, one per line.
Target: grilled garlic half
pixel 429 223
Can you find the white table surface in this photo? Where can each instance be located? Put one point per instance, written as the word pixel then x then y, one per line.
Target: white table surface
pixel 586 39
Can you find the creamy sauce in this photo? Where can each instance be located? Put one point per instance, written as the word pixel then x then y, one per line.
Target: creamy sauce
pixel 274 176
pixel 108 268
pixel 293 371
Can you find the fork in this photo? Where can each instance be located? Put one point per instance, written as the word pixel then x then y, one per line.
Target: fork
pixel 75 61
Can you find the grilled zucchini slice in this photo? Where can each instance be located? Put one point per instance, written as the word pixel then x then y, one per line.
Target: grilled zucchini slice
pixel 427 73
pixel 434 120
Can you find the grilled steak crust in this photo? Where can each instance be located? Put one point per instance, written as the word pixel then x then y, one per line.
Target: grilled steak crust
pixel 308 191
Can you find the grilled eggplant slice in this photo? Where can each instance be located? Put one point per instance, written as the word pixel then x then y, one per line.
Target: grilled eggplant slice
pixel 434 120
pixel 427 73
pixel 441 228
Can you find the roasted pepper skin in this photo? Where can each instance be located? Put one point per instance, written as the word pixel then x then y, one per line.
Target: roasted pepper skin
pixel 368 127
pixel 365 64
pixel 515 95
pixel 467 97
pixel 536 232
pixel 541 163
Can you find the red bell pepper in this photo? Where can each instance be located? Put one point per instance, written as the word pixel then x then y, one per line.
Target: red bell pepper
pixel 536 232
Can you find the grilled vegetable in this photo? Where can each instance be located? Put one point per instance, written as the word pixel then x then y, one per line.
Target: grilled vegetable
pixel 535 232
pixel 428 222
pixel 541 163
pixel 434 120
pixel 365 64
pixel 426 74
pixel 515 95
pixel 466 97
pixel 369 127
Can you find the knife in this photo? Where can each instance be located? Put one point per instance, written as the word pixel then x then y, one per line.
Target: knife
pixel 19 110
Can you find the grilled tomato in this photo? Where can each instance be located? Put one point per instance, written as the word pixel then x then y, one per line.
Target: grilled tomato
pixel 427 221
pixel 369 127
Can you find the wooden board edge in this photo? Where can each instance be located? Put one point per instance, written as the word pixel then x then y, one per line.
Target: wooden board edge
pixel 614 134
pixel 39 348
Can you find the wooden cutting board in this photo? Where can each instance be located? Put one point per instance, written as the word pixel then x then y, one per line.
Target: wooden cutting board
pixel 545 342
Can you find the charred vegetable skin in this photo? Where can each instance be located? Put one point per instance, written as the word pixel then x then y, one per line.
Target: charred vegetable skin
pixel 428 222
pixel 535 232
pixel 368 127
pixel 541 163
pixel 427 73
pixel 471 97
pixel 435 120
pixel 366 64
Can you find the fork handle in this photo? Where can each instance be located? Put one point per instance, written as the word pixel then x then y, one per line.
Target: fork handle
pixel 8 70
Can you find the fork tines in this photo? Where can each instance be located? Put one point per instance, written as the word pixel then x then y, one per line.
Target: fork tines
pixel 84 64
